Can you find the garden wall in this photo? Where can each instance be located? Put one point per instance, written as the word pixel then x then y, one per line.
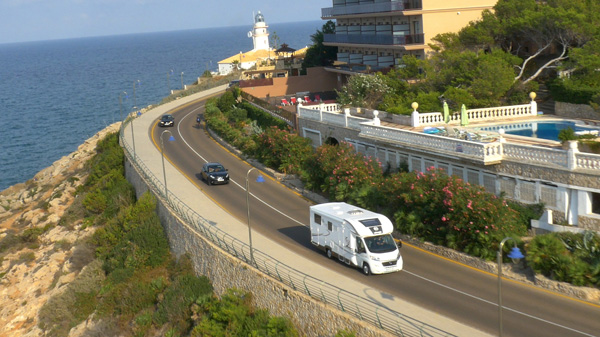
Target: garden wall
pixel 583 111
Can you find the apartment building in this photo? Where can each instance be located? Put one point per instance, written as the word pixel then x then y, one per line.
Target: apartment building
pixel 378 33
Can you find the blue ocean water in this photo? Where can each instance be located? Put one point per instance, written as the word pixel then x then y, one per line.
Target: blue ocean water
pixel 56 94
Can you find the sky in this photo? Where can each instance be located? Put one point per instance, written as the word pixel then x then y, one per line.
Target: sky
pixel 38 20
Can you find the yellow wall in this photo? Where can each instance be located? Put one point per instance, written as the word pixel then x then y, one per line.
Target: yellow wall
pixel 435 23
pixel 443 4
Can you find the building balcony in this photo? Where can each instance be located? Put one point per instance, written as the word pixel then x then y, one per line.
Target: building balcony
pixel 373 39
pixel 369 8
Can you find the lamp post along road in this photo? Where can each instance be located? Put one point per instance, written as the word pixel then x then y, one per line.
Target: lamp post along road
pixel 121 103
pixel 134 97
pixel 182 87
pixel 259 179
pixel 515 254
pixel 162 152
pixel 132 136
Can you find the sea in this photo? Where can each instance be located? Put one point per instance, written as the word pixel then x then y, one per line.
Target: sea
pixel 56 94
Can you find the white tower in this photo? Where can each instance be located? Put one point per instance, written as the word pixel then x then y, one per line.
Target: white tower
pixel 260 35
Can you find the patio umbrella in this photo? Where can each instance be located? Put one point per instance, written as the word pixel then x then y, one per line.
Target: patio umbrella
pixel 464 119
pixel 446 113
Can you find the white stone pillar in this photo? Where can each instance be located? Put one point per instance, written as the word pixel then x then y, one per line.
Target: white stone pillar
pixel 415 115
pixel 376 121
pixel 534 111
pixel 572 155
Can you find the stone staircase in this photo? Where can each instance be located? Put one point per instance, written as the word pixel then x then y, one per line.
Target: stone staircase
pixel 545 101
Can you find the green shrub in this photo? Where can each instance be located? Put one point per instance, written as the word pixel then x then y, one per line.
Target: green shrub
pixel 282 150
pixel 571 91
pixel 175 307
pixel 339 171
pixel 567 257
pixel 233 315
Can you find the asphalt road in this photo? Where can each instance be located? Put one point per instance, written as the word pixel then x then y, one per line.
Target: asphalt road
pixel 453 290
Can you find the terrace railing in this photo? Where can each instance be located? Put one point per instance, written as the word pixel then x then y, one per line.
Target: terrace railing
pixel 361 308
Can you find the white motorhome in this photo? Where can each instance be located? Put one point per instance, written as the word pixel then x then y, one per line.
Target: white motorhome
pixel 355 236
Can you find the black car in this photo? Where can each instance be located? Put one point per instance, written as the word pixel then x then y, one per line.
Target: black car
pixel 166 120
pixel 214 173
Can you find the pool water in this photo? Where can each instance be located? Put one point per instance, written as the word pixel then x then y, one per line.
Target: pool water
pixel 544 130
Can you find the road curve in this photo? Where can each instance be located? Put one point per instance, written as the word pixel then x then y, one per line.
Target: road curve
pixel 450 289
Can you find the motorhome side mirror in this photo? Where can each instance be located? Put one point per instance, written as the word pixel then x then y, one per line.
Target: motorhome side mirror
pixel 399 244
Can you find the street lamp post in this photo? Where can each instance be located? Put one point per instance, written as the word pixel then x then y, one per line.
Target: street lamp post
pixel 182 88
pixel 259 179
pixel 132 136
pixel 162 152
pixel 515 254
pixel 134 97
pixel 121 103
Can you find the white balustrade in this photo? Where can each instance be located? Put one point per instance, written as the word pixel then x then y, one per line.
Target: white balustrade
pixel 536 154
pixel 587 161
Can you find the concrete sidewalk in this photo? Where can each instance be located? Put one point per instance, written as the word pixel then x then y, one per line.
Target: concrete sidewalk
pixel 187 192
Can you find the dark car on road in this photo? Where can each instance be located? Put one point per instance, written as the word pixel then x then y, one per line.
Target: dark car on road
pixel 214 173
pixel 166 120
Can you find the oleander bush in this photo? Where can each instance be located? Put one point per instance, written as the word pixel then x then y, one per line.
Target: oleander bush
pixel 281 150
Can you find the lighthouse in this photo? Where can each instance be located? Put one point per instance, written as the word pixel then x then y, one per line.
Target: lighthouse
pixel 259 34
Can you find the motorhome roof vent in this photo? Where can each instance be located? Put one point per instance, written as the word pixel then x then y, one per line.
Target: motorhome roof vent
pixel 355 212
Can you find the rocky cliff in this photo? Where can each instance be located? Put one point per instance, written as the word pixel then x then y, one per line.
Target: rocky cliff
pixel 39 246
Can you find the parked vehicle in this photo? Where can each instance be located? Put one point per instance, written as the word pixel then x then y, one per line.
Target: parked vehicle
pixel 166 120
pixel 214 173
pixel 355 236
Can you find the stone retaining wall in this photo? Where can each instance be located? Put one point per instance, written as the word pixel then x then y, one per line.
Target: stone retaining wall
pixel 583 111
pixel 310 317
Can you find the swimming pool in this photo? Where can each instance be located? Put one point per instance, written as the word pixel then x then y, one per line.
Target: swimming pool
pixel 545 130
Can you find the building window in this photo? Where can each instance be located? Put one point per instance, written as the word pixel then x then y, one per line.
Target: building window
pixel 416 27
pixel 595 203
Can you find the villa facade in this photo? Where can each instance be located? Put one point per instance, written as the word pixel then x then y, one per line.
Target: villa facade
pixel 565 180
pixel 378 33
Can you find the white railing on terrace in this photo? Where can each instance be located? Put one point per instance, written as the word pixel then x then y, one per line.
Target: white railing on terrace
pixel 479 115
pixel 484 152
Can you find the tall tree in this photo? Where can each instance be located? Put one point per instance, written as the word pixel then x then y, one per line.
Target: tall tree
pixel 541 32
pixel 319 55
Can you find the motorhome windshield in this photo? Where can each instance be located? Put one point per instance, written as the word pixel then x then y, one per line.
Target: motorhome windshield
pixel 371 222
pixel 381 244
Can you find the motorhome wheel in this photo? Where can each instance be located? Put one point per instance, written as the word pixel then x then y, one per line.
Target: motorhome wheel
pixel 328 252
pixel 366 270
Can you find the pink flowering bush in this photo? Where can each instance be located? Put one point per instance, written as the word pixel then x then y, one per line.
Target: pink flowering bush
pixel 447 211
pixel 282 150
pixel 340 172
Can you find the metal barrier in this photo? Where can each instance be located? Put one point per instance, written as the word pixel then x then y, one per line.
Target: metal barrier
pixel 361 308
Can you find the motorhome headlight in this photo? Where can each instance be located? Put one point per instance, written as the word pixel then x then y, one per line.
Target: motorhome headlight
pixel 398 257
pixel 375 258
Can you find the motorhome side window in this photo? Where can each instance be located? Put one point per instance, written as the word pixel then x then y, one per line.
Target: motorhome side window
pixel 329 226
pixel 317 218
pixel 360 247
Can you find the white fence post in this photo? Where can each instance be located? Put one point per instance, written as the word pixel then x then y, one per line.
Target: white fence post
pixel 572 155
pixel 534 111
pixel 415 115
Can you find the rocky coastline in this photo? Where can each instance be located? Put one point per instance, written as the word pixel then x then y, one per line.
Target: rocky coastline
pixel 41 255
